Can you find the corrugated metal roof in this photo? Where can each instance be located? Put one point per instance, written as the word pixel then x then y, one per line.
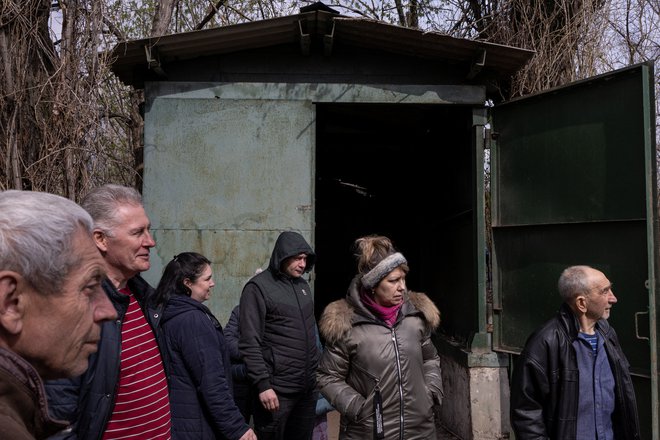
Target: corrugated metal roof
pixel 131 56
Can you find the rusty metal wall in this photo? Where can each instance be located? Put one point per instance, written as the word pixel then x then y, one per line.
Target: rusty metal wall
pixel 223 177
pixel 230 166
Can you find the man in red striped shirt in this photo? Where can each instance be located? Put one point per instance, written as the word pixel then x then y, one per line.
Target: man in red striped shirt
pixel 124 394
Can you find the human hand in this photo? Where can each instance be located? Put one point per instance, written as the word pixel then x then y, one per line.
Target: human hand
pixel 269 400
pixel 249 435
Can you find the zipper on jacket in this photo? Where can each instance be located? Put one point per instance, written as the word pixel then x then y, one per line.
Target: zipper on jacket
pixel 304 325
pixel 398 370
pixel 119 322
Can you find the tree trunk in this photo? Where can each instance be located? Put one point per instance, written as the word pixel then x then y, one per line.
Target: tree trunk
pixel 162 17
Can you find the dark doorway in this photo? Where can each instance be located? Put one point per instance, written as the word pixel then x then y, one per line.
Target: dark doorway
pixel 404 171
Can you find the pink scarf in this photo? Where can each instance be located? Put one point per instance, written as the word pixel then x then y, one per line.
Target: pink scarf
pixel 387 314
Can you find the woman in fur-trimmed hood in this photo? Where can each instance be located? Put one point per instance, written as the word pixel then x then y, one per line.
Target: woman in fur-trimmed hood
pixel 380 369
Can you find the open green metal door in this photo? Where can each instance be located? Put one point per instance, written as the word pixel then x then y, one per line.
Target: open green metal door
pixel 573 181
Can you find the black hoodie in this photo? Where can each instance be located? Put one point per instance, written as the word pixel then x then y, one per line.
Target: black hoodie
pixel 277 323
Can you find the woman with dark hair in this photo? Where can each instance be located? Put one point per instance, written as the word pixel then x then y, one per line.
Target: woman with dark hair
pixel 380 369
pixel 197 359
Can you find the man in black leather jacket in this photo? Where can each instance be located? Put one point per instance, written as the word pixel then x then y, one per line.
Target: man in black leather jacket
pixel 572 380
pixel 102 400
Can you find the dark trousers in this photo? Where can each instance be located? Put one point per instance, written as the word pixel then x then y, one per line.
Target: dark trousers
pixel 293 421
pixel 244 396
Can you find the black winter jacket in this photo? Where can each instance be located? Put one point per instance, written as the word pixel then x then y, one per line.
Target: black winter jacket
pixel 277 324
pixel 238 367
pixel 545 387
pixel 201 398
pixel 88 400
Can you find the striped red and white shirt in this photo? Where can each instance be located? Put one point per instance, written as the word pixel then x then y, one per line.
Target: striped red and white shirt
pixel 142 405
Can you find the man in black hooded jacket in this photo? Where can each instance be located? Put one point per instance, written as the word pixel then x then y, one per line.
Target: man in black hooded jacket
pixel 278 341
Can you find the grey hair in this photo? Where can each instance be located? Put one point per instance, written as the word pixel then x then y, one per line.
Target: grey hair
pixel 102 204
pixel 572 282
pixel 36 236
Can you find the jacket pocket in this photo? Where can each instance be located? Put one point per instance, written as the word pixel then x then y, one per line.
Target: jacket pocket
pixel 365 383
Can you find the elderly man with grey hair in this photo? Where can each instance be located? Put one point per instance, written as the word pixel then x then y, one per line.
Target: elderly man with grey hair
pixel 51 305
pixel 572 380
pixel 124 393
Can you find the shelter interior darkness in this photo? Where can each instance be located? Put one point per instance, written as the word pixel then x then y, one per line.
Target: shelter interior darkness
pixel 405 171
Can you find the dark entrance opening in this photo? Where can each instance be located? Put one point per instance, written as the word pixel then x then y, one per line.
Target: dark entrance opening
pixel 405 171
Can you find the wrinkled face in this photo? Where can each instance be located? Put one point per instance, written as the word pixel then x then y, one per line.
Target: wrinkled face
pixel 201 288
pixel 600 298
pixel 295 266
pixel 390 290
pixel 61 329
pixel 126 249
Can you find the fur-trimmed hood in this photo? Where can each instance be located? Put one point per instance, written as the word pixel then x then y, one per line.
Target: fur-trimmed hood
pixel 339 316
pixel 362 352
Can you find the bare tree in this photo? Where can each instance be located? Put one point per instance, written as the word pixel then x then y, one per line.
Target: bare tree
pixel 66 123
pixel 22 95
pixel 633 36
pixel 559 31
pixel 162 17
pixel 57 134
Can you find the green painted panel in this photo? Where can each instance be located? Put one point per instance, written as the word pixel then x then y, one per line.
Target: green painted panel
pixel 561 197
pixel 229 164
pixel 574 182
pixel 531 258
pixel 572 155
pixel 223 177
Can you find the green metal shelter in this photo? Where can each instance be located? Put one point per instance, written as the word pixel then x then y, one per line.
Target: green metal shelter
pixel 339 127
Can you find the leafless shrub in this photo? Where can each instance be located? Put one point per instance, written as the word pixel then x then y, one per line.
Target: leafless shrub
pixel 565 34
pixel 67 124
pixel 58 130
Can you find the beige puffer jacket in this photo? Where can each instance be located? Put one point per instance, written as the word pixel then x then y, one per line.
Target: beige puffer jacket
pixel 363 357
